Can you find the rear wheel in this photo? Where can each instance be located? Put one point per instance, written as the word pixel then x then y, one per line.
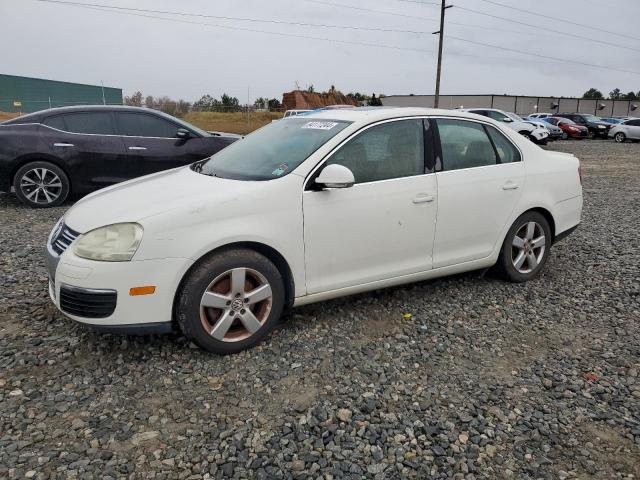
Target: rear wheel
pixel 231 301
pixel 525 249
pixel 620 137
pixel 41 184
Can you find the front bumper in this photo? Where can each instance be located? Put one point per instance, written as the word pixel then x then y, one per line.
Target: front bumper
pixel 540 135
pixel 85 279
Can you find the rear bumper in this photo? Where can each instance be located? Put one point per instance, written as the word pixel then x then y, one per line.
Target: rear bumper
pixel 561 236
pixel 567 216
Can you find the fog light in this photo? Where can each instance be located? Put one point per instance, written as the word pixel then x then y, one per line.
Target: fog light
pixel 147 290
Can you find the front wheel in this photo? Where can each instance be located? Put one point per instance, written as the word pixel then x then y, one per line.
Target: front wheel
pixel 525 249
pixel 620 137
pixel 41 184
pixel 230 301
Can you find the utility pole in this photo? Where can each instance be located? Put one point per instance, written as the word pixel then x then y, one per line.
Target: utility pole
pixel 436 101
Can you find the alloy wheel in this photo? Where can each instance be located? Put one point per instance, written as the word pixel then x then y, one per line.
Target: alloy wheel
pixel 41 185
pixel 528 247
pixel 236 304
pixel 620 137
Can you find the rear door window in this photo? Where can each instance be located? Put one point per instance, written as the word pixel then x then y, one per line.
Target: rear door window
pixel 464 144
pixel 96 123
pixel 144 125
pixel 506 151
pixel 56 122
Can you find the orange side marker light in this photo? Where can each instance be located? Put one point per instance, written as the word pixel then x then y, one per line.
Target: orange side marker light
pixel 147 290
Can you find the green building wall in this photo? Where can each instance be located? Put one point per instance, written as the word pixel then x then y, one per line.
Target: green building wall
pixel 39 94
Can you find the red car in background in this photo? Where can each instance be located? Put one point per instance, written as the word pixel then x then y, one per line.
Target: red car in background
pixel 569 128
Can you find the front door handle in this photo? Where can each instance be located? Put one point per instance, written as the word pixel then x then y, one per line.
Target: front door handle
pixel 424 198
pixel 137 148
pixel 61 144
pixel 510 186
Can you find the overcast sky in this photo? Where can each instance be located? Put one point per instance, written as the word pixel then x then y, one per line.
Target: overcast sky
pixel 187 60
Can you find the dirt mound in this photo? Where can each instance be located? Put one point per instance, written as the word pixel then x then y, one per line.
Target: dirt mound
pixel 299 99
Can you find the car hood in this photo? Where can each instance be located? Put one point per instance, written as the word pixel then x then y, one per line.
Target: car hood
pixel 144 197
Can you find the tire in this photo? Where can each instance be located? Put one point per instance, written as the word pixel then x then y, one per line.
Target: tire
pixel 509 258
pixel 221 317
pixel 41 184
pixel 620 137
pixel 593 135
pixel 565 136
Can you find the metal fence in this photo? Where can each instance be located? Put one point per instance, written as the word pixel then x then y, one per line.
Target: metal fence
pixel 522 105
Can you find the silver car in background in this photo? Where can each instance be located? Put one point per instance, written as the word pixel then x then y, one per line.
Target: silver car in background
pixel 627 130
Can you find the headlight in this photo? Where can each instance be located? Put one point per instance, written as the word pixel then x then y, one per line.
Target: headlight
pixel 601 126
pixel 113 243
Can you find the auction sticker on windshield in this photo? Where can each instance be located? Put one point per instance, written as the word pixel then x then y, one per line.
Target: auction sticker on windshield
pixel 320 125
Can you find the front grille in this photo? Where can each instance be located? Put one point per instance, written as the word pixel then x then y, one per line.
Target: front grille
pixel 87 303
pixel 61 241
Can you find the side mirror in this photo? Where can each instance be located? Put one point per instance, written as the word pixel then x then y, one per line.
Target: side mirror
pixel 183 133
pixel 335 176
pixel 507 120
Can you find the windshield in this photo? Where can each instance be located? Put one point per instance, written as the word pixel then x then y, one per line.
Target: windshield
pixel 273 151
pixel 592 118
pixel 513 116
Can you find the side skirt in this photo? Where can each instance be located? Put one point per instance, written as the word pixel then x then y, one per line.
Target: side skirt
pixel 392 282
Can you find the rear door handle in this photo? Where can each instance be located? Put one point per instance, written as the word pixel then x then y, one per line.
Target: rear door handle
pixel 137 148
pixel 510 186
pixel 61 144
pixel 424 198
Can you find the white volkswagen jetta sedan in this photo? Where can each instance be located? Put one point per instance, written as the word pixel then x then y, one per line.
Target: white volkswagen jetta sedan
pixel 329 204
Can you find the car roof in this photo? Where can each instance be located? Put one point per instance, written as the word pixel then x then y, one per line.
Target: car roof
pixel 92 108
pixel 37 117
pixel 373 114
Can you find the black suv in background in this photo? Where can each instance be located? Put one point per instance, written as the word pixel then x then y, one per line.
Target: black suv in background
pixel 47 155
pixel 597 128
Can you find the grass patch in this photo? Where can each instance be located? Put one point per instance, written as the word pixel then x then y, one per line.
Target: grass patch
pixel 8 116
pixel 235 122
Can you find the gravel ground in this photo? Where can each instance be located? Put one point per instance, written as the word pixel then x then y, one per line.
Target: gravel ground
pixel 483 379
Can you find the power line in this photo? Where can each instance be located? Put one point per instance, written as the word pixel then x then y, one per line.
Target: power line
pixel 282 22
pixel 538 27
pixel 413 17
pixel 108 9
pixel 557 19
pixel 373 10
pixel 499 47
pixel 242 19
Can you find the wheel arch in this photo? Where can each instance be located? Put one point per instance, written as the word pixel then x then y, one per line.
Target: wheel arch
pixel 548 216
pixel 25 159
pixel 271 253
